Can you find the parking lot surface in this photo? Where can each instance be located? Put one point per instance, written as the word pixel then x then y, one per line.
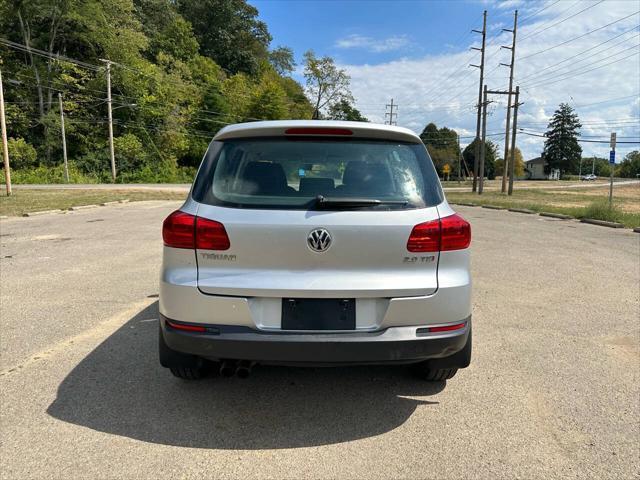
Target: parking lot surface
pixel 553 390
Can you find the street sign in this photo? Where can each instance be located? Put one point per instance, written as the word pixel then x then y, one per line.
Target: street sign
pixel 612 156
pixel 613 140
pixel 446 169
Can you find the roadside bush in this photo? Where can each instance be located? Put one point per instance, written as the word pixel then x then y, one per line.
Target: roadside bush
pixel 600 210
pixel 55 174
pixel 21 153
pixel 95 164
pixel 130 155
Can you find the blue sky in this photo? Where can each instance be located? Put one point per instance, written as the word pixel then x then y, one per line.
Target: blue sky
pixel 583 52
pixel 370 32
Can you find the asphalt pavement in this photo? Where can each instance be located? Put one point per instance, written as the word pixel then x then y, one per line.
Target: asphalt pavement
pixel 553 390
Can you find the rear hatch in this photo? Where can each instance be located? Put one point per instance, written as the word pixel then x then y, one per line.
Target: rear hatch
pixel 317 217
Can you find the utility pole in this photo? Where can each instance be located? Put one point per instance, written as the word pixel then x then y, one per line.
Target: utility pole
pixel 5 148
pixel 111 153
pixel 612 164
pixel 64 140
pixel 390 114
pixel 459 158
pixel 512 162
pixel 484 136
pixel 478 120
pixel 511 67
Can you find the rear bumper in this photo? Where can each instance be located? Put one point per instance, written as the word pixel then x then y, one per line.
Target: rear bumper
pixel 391 345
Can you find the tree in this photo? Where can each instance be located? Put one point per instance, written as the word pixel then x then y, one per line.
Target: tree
pixel 282 60
pixel 600 166
pixel 630 166
pixel 326 83
pixel 268 102
pixel 343 110
pixel 229 32
pixel 518 167
pixel 561 149
pixel 21 153
pixel 173 81
pixel 442 145
pixel 489 157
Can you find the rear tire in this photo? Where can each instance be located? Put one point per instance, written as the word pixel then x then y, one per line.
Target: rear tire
pixel 182 365
pixel 435 375
pixel 187 373
pixel 440 369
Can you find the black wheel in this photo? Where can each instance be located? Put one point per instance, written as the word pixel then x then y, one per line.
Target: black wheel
pixel 182 365
pixel 187 373
pixel 435 375
pixel 441 369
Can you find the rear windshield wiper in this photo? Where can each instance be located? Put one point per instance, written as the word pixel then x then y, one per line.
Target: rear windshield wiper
pixel 354 202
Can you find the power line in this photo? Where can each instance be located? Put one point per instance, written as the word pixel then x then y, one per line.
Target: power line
pixel 581 73
pixel 43 53
pixel 579 140
pixel 608 101
pixel 578 37
pixel 538 71
pixel 538 12
pixel 533 34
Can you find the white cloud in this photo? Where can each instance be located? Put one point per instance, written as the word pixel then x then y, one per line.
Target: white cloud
pixel 395 42
pixel 503 5
pixel 443 89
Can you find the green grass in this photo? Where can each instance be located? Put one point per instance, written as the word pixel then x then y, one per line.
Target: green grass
pixel 585 204
pixel 26 200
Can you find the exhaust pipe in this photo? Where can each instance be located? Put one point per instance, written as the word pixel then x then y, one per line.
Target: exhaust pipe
pixel 244 368
pixel 227 369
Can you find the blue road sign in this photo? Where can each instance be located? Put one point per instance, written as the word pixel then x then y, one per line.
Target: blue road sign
pixel 612 156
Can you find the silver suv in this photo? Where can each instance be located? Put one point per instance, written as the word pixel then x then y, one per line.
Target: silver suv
pixel 315 243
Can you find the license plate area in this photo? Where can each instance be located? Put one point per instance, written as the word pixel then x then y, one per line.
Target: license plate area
pixel 318 314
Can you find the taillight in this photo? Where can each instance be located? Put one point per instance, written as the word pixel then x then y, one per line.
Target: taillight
pixel 448 233
pixel 425 237
pixel 211 235
pixel 178 230
pixel 182 230
pixel 455 234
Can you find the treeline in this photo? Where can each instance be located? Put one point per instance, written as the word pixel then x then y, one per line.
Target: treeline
pixel 444 148
pixel 182 69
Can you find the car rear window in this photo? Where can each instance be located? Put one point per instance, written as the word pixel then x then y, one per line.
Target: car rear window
pixel 284 173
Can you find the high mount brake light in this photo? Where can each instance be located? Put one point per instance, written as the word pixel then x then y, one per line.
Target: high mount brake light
pixel 183 230
pixel 446 234
pixel 318 131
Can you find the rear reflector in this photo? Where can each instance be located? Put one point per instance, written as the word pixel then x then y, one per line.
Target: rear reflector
pixel 318 131
pixel 448 233
pixel 186 328
pixel 447 328
pixel 182 230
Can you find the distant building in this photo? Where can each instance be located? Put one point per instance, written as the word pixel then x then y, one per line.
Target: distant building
pixel 534 170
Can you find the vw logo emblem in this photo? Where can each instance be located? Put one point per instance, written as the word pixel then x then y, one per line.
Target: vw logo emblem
pixel 319 240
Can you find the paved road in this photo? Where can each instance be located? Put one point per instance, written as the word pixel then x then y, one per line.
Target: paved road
pixel 553 391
